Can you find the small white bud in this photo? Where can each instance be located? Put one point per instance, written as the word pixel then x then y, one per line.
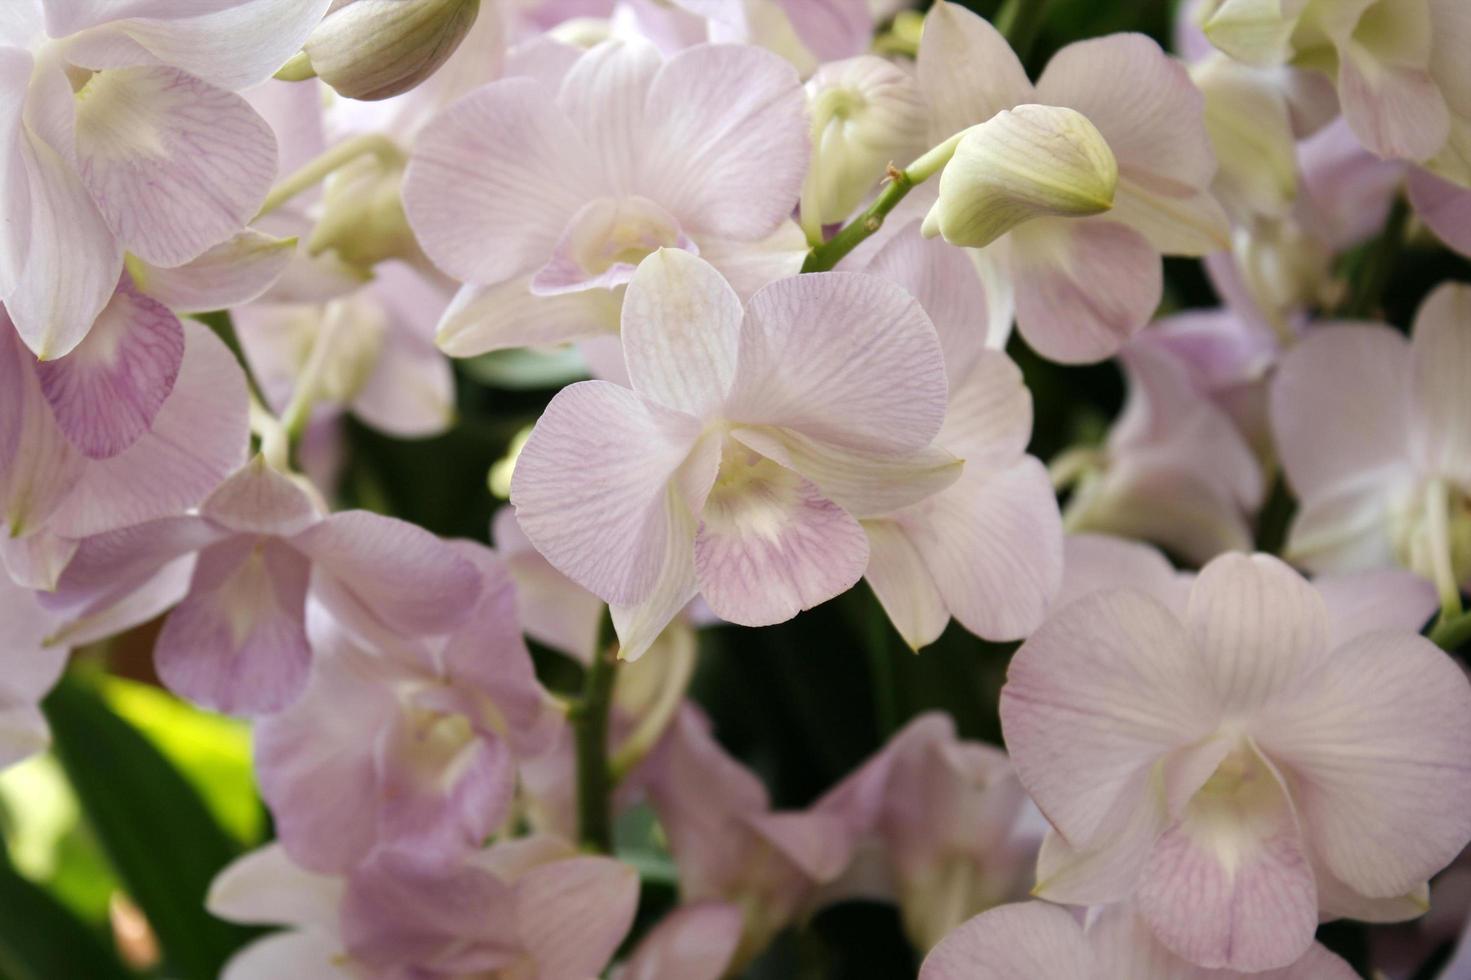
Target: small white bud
pixel 1022 163
pixel 376 49
pixel 362 216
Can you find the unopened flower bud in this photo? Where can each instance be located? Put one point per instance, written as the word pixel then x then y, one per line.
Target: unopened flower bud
pixel 362 217
pixel 1022 163
pixel 375 49
pixel 866 113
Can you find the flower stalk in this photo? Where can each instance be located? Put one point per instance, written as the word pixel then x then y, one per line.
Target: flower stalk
pixel 315 171
pixel 589 719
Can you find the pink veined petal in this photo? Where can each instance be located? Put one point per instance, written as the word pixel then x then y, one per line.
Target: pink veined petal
pixel 942 278
pixel 993 543
pixel 198 438
pixel 640 624
pixel 37 560
pixel 176 166
pixel 748 266
pixel 1082 287
pixel 903 584
pixel 1443 206
pixel 1092 562
pixel 72 260
pixel 315 760
pixel 727 140
pixel 411 391
pixel 155 596
pixel 1347 528
pixel 232 273
pixel 107 392
pixel 1230 886
pixel 693 942
pixel 107 567
pixel 1357 376
pixel 841 357
pixel 552 608
pixel 232 44
pixel 1366 602
pixel 770 544
pixel 833 29
pixel 258 499
pixel 967 70
pixel 989 419
pixel 546 173
pixel 1376 750
pixel 1100 693
pixel 572 914
pixel 40 465
pixel 1345 192
pixel 1397 111
pixel 15 75
pixel 593 250
pixel 681 332
pixel 603 95
pixel 398 573
pixel 31 668
pixel 507 314
pixel 237 643
pixel 1440 405
pixel 1030 939
pixel 589 487
pixel 1258 627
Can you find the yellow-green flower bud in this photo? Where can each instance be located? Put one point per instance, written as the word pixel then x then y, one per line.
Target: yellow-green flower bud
pixel 1022 163
pixel 375 49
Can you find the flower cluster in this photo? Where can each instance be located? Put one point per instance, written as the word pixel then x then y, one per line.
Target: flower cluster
pixel 778 248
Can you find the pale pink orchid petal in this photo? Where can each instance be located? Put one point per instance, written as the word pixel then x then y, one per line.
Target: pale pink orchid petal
pixel 844 358
pixel 1362 777
pixel 1032 939
pixel 1397 111
pixel 553 609
pixel 589 486
pixel 693 942
pixel 232 273
pixel 1104 651
pixel 110 565
pixel 1149 498
pixel 1092 562
pixel 771 545
pixel 604 95
pixel 832 29
pixel 1357 375
pixel 1111 871
pixel 199 436
pixel 639 625
pixel 217 157
pixel 989 420
pixel 237 643
pixel 545 174
pixel 1082 288
pixel 749 265
pixel 232 44
pixel 599 247
pixel 41 466
pixel 1345 192
pixel 16 66
pixel 32 667
pixel 37 560
pixel 728 140
pixel 1368 602
pixel 397 573
pixel 410 392
pixel 1440 403
pixel 571 915
pixel 507 314
pixel 967 70
pixel 109 390
pixel 291 953
pixel 112 616
pixel 1444 207
pixel 260 499
pixel 902 582
pixel 265 887
pixel 681 333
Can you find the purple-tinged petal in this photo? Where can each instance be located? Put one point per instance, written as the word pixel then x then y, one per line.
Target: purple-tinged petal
pixel 1032 939
pixel 16 66
pixel 841 357
pixel 693 942
pixel 967 70
pixel 554 610
pixel 31 668
pixel 589 486
pixel 1397 111
pixel 1345 191
pixel 260 500
pixel 601 245
pixel 989 419
pixel 1367 602
pixel 107 392
pixel 1082 287
pixel 232 273
pixel 395 572
pixel 1444 207
pixel 113 615
pixel 1440 400
pixel 748 266
pixel 37 560
pixel 770 544
pixel 1093 562
pixel 108 566
pixel 640 625
pixel 199 437
pixel 176 166
pixel 237 643
pixel 544 174
pixel 481 319
pixel 603 94
pixel 40 465
pixel 265 887
pixel 903 584
pixel 727 140
pixel 572 915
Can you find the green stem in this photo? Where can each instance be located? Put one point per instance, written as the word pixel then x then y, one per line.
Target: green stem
pixel 318 170
pixel 224 328
pixel 1451 633
pixel 1019 21
pixel 589 719
pixel 1371 275
pixel 827 255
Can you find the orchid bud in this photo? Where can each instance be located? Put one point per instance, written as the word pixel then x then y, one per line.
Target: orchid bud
pixel 1022 163
pixel 376 49
pixel 363 217
pixel 866 113
pixel 1250 126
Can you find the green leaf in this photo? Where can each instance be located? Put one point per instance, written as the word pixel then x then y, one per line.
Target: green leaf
pixel 40 940
pixel 158 834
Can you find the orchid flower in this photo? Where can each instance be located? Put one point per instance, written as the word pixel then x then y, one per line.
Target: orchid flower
pixel 705 152
pixel 1043 942
pixel 1241 769
pixel 944 824
pixel 32 667
pixel 1084 285
pixel 237 642
pixel 120 130
pixel 1371 428
pixel 693 942
pixel 401 751
pixel 749 447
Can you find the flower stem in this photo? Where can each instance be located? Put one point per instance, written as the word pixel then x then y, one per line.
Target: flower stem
pixel 589 719
pixel 1451 633
pixel 337 157
pixel 1371 274
pixel 825 256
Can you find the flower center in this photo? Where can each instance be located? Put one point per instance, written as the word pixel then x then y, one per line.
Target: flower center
pixel 605 241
